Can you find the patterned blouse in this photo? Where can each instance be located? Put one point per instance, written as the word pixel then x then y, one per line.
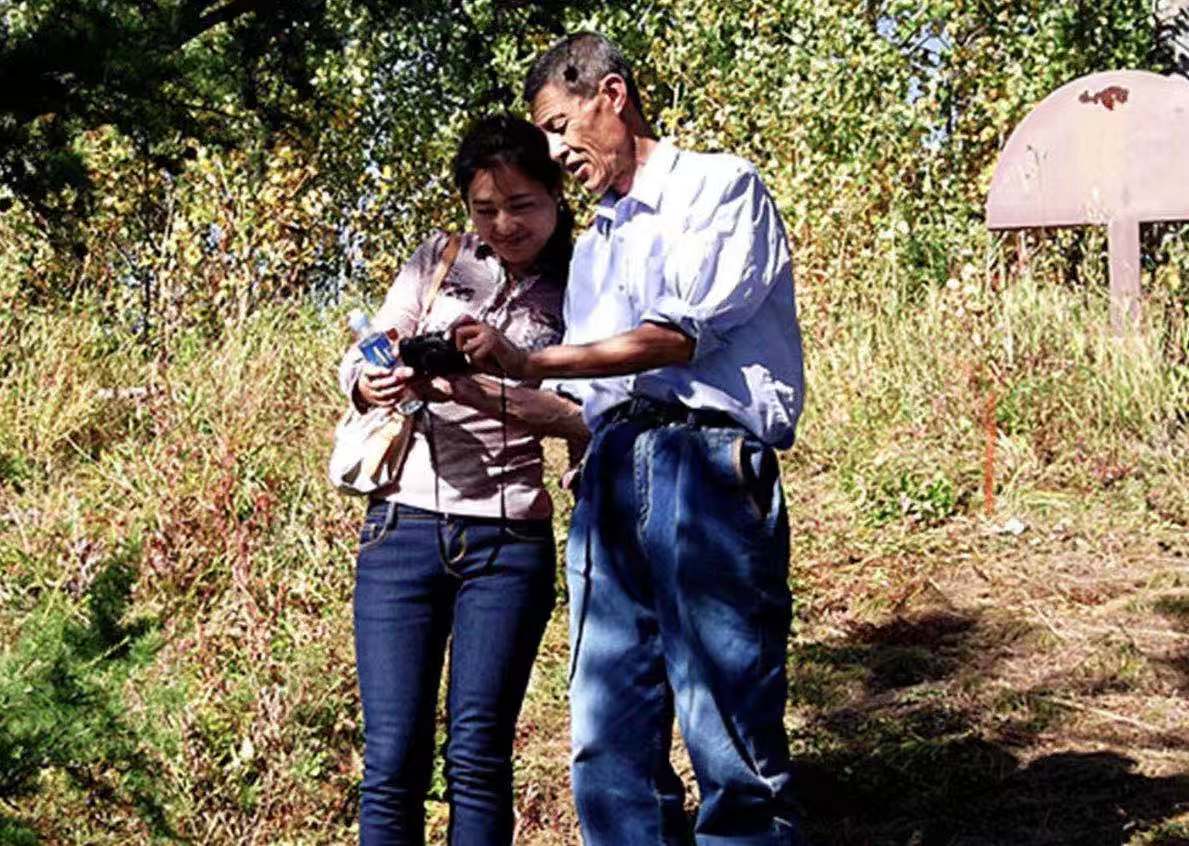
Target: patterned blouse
pixel 460 457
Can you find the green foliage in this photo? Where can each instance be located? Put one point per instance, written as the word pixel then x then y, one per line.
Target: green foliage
pixel 14 833
pixel 159 72
pixel 62 700
pixel 884 494
pixel 177 579
pixel 349 84
pixel 14 471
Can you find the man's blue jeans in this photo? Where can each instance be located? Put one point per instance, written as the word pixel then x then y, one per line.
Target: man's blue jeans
pixel 677 564
pixel 408 601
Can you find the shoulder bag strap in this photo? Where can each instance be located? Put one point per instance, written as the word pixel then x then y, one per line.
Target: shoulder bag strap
pixel 449 254
pixel 398 449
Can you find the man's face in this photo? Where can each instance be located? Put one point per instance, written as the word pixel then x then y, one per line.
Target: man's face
pixel 587 136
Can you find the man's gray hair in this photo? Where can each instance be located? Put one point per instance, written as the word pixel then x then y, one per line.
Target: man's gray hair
pixel 578 64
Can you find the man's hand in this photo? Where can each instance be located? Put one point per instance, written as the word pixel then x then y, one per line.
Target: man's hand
pixel 489 350
pixel 381 386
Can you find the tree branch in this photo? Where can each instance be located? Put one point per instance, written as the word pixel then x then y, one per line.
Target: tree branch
pixel 210 20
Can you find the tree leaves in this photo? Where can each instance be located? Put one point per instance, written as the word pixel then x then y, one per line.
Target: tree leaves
pixel 859 113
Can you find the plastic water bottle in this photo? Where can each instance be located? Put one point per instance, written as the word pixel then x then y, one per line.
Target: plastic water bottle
pixel 375 346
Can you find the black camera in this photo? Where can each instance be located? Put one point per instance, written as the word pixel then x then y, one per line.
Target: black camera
pixel 432 354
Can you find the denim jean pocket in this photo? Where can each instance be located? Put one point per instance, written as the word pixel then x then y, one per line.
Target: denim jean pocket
pixel 749 468
pixel 530 530
pixel 376 524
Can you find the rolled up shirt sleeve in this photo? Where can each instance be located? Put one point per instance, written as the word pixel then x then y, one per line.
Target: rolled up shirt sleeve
pixel 717 275
pixel 402 306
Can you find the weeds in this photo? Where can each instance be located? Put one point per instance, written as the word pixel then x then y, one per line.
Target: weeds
pixel 177 577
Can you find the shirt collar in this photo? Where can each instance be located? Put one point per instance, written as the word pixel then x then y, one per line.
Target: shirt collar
pixel 646 187
pixel 605 211
pixel 650 178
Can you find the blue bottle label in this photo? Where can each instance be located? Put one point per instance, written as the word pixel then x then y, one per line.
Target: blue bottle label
pixel 378 350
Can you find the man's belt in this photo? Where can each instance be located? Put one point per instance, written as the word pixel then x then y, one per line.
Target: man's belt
pixel 656 413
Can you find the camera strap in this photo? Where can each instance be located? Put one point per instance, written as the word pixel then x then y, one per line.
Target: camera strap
pixel 448 256
pixel 443 553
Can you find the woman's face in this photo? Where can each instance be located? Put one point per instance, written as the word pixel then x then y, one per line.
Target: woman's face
pixel 513 213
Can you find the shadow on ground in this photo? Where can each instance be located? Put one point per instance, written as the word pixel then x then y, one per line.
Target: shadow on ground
pixel 904 745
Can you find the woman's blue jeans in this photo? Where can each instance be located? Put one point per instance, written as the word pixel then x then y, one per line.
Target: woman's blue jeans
pixel 490 598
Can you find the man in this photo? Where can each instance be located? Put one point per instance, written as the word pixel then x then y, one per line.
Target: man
pixel 682 344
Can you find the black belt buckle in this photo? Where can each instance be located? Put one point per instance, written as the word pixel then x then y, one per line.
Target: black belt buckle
pixel 711 418
pixel 656 413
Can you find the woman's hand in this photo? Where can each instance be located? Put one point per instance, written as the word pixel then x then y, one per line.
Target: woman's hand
pixel 436 389
pixel 383 386
pixel 489 350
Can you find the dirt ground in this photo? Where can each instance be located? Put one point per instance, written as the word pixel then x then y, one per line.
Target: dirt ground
pixel 985 683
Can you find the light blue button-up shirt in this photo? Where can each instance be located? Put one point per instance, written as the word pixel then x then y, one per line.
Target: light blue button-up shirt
pixel 697 243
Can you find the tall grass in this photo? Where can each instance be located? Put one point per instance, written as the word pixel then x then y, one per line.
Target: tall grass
pixel 177 573
pixel 897 401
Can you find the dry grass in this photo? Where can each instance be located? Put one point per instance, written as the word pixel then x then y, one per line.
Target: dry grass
pixel 950 682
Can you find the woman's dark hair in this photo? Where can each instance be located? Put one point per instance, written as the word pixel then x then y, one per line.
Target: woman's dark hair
pixel 504 139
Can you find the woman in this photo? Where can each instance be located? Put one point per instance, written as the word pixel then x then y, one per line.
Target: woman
pixel 462 547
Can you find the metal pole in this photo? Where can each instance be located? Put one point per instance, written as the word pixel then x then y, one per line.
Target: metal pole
pixel 1123 250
